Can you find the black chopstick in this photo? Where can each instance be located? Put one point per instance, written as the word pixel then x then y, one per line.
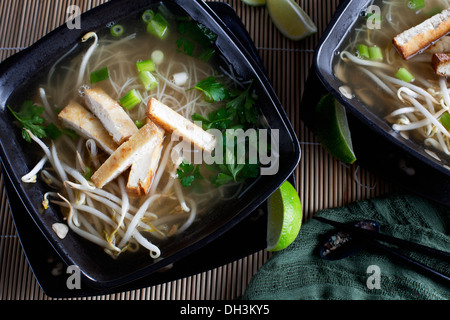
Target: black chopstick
pixel 386 238
pixel 370 238
pixel 413 262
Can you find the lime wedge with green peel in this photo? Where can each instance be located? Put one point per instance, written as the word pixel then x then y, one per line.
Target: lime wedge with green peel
pixel 284 217
pixel 332 129
pixel 290 19
pixel 254 2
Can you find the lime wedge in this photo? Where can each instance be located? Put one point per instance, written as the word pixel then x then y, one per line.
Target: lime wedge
pixel 332 129
pixel 284 217
pixel 254 2
pixel 290 19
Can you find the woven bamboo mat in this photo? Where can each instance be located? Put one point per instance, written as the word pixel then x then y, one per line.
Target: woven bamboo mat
pixel 322 181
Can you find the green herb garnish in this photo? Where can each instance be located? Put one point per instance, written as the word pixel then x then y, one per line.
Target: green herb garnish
pixel 196 40
pixel 29 117
pixel 220 119
pixel 239 112
pixel 213 90
pixel 242 107
pixel 187 173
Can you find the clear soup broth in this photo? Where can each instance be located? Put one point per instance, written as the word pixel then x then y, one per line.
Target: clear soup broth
pixel 411 101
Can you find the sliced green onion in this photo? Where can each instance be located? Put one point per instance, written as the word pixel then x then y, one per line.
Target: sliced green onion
pixel 117 30
pixel 404 75
pixel 416 4
pixel 157 57
pixel 158 26
pixel 148 80
pixel 131 99
pixel 99 75
pixel 445 120
pixel 148 15
pixel 88 174
pixel 145 65
pixel 375 53
pixel 139 123
pixel 363 51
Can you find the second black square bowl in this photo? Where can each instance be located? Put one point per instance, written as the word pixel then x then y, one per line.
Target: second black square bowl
pixel 98 269
pixel 376 145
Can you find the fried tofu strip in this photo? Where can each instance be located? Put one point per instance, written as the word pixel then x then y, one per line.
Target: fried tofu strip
pixel 420 37
pixel 128 153
pixel 173 122
pixel 441 64
pixel 78 118
pixel 143 169
pixel 113 117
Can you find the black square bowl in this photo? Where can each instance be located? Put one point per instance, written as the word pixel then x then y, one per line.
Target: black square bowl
pixel 97 268
pixel 376 145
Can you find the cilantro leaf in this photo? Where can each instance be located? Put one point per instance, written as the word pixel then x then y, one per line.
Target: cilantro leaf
pixel 221 179
pixel 53 131
pixel 239 112
pixel 219 119
pixel 213 90
pixel 187 173
pixel 207 54
pixel 250 171
pixel 196 40
pixel 29 117
pixel 233 172
pixel 186 46
pixel 187 181
pixel 242 107
pixel 68 132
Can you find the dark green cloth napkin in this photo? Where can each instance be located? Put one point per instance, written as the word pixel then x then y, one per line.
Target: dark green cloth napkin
pixel 298 272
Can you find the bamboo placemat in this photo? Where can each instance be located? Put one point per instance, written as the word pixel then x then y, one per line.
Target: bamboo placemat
pixel 321 180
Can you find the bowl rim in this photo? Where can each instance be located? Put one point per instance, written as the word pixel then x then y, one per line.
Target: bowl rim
pixel 199 8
